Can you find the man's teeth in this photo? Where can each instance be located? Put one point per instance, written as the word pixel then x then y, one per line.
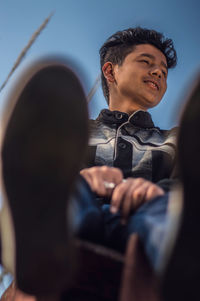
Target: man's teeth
pixel 152 84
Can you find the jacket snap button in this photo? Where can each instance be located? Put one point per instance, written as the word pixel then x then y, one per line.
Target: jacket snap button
pixel 118 115
pixel 122 145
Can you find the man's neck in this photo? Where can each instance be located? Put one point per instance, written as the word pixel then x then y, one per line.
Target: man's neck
pixel 126 108
pixel 125 104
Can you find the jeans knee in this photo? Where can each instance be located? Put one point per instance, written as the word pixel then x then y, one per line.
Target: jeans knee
pixel 91 225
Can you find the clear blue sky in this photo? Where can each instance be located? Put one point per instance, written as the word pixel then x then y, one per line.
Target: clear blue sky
pixel 79 28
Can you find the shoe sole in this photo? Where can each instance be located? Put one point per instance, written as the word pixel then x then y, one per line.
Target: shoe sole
pixel 45 137
pixel 181 279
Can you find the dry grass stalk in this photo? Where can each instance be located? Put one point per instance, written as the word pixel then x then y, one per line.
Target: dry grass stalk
pixel 94 88
pixel 26 48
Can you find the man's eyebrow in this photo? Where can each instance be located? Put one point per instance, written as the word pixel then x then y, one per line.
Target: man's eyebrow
pixel 153 58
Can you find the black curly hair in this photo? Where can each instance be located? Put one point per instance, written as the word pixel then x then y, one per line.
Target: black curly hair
pixel 120 44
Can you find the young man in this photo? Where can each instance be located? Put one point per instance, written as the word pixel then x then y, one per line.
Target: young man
pixel 44 129
pixel 135 65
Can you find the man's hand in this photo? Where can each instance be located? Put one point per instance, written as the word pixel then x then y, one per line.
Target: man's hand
pixel 127 195
pixel 98 175
pixel 131 194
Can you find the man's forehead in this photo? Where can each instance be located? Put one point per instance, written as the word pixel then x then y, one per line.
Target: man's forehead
pixel 152 51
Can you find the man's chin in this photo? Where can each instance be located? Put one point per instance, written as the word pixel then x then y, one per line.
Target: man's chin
pixel 150 103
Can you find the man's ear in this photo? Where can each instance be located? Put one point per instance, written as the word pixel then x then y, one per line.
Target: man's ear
pixel 107 70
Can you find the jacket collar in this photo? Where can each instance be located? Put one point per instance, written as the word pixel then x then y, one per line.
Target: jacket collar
pixel 139 118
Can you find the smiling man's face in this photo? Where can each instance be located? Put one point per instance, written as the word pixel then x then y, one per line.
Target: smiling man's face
pixel 142 77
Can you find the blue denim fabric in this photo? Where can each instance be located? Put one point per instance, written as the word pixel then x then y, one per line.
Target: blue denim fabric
pixel 87 215
pixel 149 221
pixel 96 223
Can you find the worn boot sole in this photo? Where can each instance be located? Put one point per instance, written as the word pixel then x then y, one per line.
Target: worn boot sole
pixel 45 132
pixel 181 279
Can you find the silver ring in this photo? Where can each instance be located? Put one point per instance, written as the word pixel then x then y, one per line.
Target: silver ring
pixel 110 185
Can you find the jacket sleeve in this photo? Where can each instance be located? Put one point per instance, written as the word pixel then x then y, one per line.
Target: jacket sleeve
pixel 168 183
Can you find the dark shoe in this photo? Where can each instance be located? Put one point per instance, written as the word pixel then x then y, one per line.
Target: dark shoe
pixel 45 132
pixel 182 275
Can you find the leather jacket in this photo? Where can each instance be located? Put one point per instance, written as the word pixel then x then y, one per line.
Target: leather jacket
pixel 133 144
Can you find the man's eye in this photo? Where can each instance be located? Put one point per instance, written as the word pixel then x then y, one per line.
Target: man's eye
pixel 145 61
pixel 165 74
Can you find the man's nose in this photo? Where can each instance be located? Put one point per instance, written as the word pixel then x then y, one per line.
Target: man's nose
pixel 156 72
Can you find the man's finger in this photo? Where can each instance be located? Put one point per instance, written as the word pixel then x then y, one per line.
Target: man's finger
pixel 98 184
pixel 117 197
pixel 86 176
pixel 139 194
pixel 126 205
pixel 119 194
pixel 153 191
pixel 117 175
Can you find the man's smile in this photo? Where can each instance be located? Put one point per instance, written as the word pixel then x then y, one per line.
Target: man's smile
pixel 155 85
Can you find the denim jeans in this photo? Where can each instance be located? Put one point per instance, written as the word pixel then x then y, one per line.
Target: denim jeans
pixel 95 222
